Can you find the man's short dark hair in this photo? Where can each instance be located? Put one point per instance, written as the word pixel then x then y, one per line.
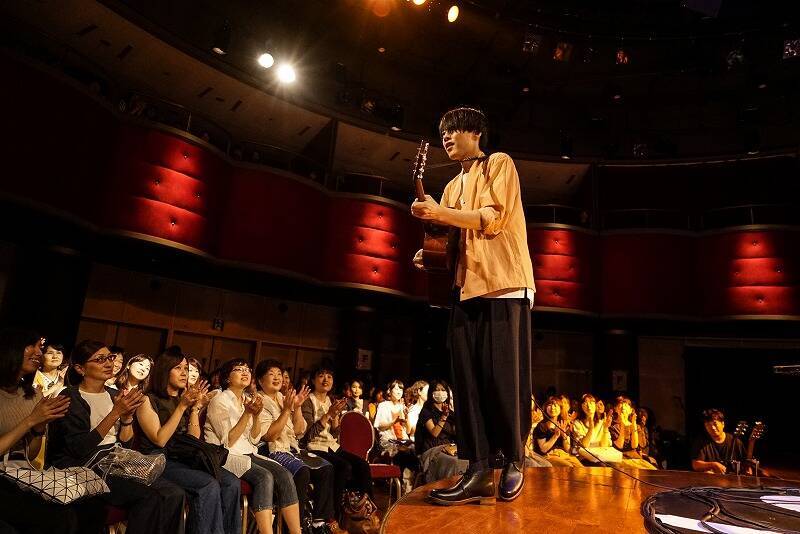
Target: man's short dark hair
pixel 713 414
pixel 465 119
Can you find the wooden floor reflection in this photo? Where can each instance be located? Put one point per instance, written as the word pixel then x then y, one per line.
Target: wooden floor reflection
pixel 555 500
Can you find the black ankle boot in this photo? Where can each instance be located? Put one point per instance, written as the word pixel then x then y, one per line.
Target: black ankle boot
pixel 512 479
pixel 474 486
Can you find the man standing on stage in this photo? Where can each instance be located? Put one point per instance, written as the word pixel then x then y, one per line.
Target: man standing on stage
pixel 490 325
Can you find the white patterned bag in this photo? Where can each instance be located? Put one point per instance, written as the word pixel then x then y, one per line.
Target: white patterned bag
pixel 61 486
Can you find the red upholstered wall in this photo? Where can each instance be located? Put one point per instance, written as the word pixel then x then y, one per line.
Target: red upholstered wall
pixel 648 273
pixel 564 268
pixel 750 272
pixel 70 153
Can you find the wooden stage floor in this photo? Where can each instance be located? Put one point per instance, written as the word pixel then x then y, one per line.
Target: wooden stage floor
pixel 556 500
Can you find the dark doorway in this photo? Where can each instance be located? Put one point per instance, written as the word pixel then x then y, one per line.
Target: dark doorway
pixel 742 383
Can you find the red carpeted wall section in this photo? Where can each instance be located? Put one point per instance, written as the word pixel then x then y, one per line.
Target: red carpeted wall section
pixel 69 153
pixel 563 268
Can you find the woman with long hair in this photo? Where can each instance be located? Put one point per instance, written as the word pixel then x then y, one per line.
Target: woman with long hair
pixel 24 418
pixel 233 420
pixel 135 374
pixel 356 403
pixel 171 408
pixel 436 436
pixel 590 429
pixel 417 396
pixel 99 417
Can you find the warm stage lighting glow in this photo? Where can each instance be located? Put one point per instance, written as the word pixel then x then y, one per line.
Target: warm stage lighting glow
pixel 452 14
pixel 286 74
pixel 266 60
pixel 419 2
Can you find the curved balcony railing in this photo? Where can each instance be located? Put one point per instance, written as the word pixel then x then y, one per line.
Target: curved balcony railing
pixel 780 214
pixel 557 214
pixel 646 218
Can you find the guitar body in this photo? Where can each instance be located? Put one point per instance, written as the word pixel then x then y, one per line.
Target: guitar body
pixel 439 260
pixel 440 246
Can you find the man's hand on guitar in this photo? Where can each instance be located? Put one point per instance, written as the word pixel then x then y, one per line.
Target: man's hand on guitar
pixel 418 260
pixel 427 210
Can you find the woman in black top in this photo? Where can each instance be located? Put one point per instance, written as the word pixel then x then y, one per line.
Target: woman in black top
pixel 436 436
pixel 98 418
pixel 171 408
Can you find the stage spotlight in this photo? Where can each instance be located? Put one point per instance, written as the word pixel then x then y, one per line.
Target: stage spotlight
pixel 419 2
pixel 222 39
pixel 791 48
pixel 622 57
pixel 266 60
pixel 286 73
pixel 452 13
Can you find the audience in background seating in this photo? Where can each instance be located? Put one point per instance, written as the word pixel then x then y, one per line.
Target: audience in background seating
pixel 135 374
pixel 98 418
pixel 172 407
pixel 282 423
pixel 322 415
pixel 233 420
pixel 591 430
pixel 625 434
pixel 417 395
pixel 436 436
pixel 49 379
pixel 357 403
pixel 24 417
pixel 393 425
pixel 552 436
pixel 118 363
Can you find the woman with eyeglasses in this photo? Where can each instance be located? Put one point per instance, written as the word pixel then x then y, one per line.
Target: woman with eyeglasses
pixel 98 418
pixel 233 420
pixel 24 418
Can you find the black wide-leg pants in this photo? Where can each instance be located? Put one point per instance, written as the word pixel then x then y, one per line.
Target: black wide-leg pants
pixel 490 349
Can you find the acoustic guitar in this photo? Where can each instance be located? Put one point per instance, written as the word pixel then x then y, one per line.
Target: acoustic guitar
pixel 756 433
pixel 440 246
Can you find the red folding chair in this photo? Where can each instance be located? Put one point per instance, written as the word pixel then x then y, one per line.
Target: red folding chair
pixel 357 436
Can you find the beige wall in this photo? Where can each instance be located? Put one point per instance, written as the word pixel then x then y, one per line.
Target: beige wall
pixel 662 384
pixel 144 313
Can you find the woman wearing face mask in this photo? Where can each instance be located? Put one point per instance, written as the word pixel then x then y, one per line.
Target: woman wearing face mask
pixel 436 436
pixel 393 426
pixel 322 416
pixel 50 378
pixel 136 374
pixel 172 408
pixel 551 436
pixel 356 402
pixel 418 394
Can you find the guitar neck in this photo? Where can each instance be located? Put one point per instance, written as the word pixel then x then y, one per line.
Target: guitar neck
pixel 751 444
pixel 419 189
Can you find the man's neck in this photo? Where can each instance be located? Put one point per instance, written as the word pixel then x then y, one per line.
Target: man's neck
pixel 721 440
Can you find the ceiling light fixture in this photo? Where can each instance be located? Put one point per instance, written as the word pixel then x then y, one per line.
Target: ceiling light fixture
pixel 419 2
pixel 452 13
pixel 266 60
pixel 286 73
pixel 222 39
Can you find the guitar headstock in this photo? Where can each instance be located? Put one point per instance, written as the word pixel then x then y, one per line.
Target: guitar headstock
pixel 758 430
pixel 419 161
pixel 741 429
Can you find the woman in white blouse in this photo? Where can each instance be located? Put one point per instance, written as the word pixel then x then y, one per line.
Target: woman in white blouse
pixel 393 424
pixel 590 429
pixel 233 421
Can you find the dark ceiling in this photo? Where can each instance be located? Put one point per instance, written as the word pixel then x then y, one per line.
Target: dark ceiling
pixel 676 97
